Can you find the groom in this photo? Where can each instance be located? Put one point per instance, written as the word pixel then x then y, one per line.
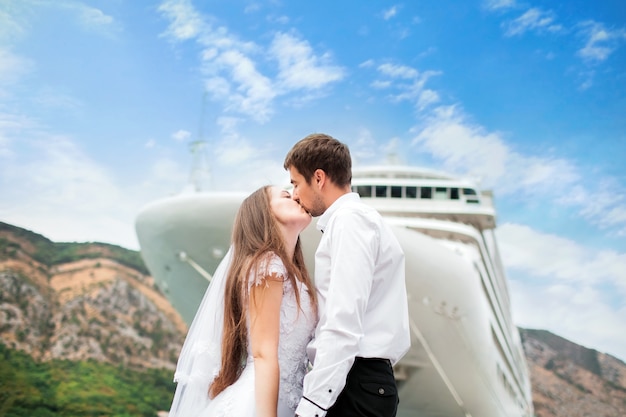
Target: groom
pixel 359 274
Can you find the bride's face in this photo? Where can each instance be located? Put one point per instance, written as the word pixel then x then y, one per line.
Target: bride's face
pixel 287 211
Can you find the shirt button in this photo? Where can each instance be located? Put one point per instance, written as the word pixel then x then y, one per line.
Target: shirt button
pixel 381 391
pixel 330 390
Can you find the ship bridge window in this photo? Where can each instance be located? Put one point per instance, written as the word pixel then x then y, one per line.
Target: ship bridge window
pixel 472 196
pixel 441 193
pixel 413 192
pixel 364 190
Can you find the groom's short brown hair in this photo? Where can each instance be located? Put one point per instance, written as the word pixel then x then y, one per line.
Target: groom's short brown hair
pixel 321 151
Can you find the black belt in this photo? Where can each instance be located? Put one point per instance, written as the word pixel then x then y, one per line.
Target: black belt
pixel 361 359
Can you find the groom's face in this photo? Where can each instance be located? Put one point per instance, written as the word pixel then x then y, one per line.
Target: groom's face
pixel 306 194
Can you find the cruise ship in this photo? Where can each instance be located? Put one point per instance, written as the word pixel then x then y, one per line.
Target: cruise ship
pixel 466 357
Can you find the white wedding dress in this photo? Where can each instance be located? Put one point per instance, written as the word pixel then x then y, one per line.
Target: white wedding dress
pixel 238 400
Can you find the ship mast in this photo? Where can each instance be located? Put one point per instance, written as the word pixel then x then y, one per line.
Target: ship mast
pixel 200 169
pixel 200 174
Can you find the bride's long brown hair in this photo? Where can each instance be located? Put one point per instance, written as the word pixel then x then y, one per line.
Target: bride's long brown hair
pixel 255 235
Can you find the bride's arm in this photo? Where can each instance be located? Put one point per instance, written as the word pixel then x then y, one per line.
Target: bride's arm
pixel 264 307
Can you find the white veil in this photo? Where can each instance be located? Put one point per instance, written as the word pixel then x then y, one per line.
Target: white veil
pixel 200 357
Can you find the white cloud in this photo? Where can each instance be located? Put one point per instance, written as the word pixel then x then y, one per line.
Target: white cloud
pixel 235 152
pixel 15 19
pixel 587 81
pixel 253 94
pixel 299 67
pixel 52 99
pixel 252 8
pixel 398 71
pixel 535 20
pixel 403 33
pixel 11 125
pixel 417 94
pixel 542 174
pixel 164 170
pixel 605 205
pixel 499 4
pixel 92 18
pixel 51 185
pixel 389 13
pixel 228 125
pixel 5 147
pixel 12 66
pixel 186 22
pixel 559 259
pixel 365 149
pixel 5 151
pixel 233 149
pixel 380 85
pixel 461 146
pixel 181 135
pixel 232 74
pixel 10 27
pixel 426 98
pixel 600 42
pixel 563 286
pixel 578 313
pixel 70 176
pixel 59 191
pixel 429 51
pixel 89 18
pixel 282 20
pixel 412 90
pixel 364 146
pixel 244 165
pixel 219 87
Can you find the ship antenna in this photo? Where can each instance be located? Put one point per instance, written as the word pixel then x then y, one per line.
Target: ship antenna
pixel 200 167
pixel 393 157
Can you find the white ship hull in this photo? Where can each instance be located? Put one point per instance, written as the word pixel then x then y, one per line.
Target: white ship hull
pixel 465 357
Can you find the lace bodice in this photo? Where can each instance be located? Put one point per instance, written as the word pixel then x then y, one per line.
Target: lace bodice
pixel 296 330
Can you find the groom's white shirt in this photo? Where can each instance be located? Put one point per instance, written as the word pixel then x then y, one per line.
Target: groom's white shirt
pixel 360 279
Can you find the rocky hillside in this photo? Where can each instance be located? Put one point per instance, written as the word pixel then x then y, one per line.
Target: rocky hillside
pixel 569 380
pixel 83 301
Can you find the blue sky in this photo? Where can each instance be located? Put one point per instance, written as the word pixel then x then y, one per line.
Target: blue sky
pixel 100 100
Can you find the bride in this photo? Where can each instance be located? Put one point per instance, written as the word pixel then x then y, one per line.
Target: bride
pixel 245 353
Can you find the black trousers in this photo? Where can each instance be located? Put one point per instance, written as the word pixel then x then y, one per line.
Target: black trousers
pixel 370 391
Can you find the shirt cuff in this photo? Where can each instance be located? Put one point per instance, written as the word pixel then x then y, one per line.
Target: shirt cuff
pixel 307 409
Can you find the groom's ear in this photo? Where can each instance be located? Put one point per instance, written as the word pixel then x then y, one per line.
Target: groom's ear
pixel 319 178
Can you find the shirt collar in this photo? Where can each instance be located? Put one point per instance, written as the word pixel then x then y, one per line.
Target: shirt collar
pixel 325 218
